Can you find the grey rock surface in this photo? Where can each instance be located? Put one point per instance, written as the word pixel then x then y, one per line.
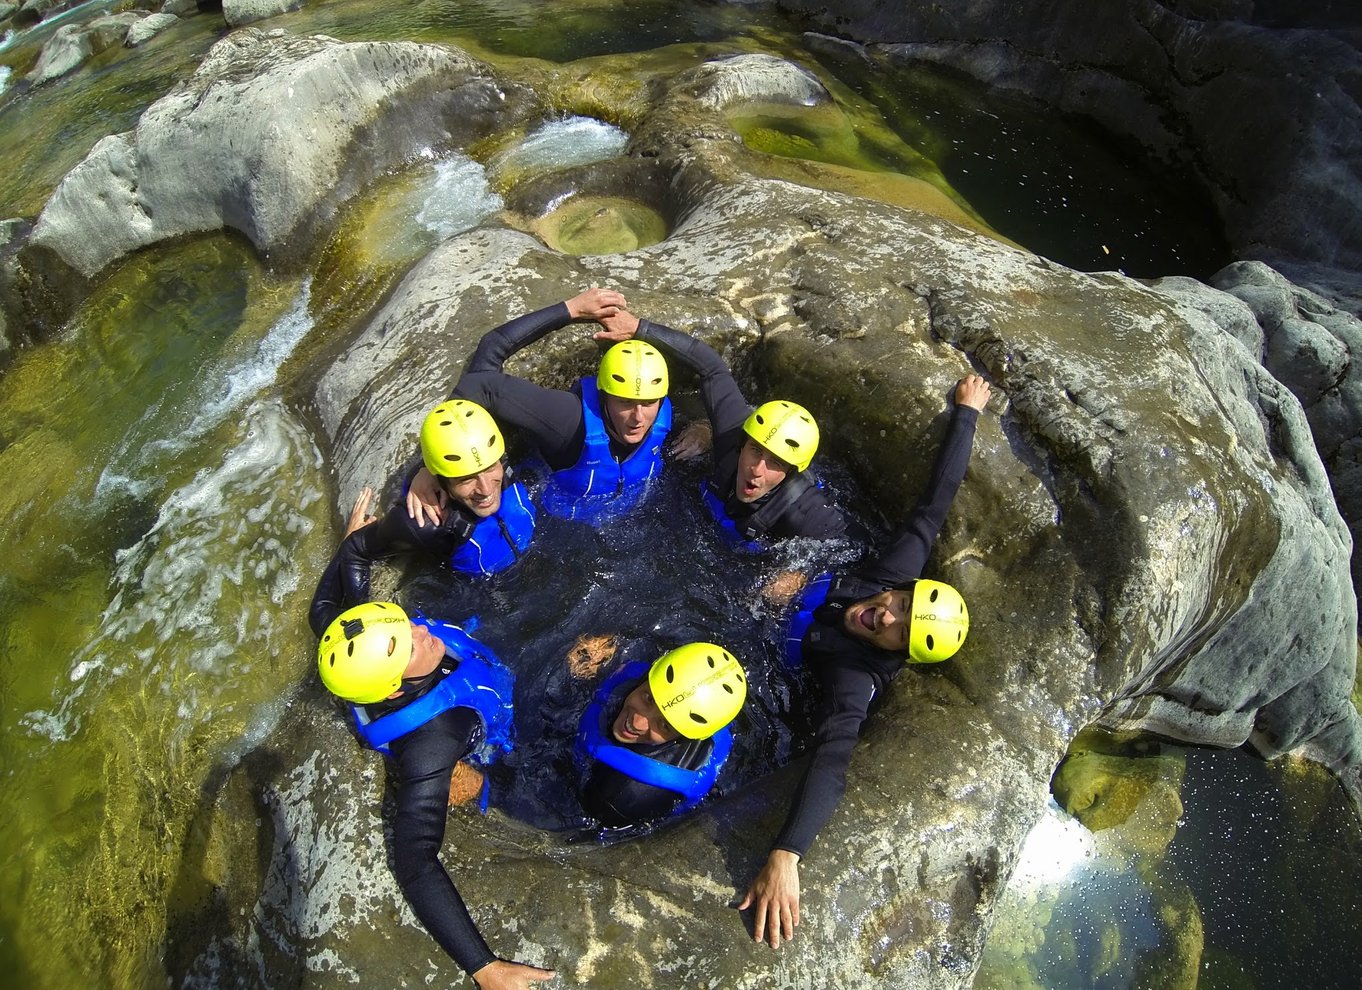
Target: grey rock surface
pixel 266 137
pixel 239 12
pixel 72 44
pixel 148 27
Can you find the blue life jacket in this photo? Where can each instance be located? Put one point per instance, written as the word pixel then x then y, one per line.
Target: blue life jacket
pixel 480 682
pixel 598 486
pixel 498 541
pixel 751 536
pixel 594 742
pixel 812 595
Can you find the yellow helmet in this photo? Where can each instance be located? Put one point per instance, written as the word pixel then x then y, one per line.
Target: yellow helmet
pixel 365 651
pixel 785 429
pixel 699 688
pixel 459 438
pixel 633 369
pixel 938 624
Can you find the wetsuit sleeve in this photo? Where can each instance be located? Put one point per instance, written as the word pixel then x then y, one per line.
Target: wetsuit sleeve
pixel 327 600
pixel 817 518
pixel 618 801
pixel 848 692
pixel 907 554
pixel 499 344
pixel 551 417
pixel 425 761
pixel 724 402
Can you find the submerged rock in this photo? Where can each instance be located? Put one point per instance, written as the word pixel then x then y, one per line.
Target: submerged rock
pixel 72 44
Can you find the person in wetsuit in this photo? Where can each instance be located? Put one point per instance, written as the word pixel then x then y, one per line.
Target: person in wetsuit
pixel 373 656
pixel 759 488
pixel 603 440
pixel 867 625
pixel 486 525
pixel 655 737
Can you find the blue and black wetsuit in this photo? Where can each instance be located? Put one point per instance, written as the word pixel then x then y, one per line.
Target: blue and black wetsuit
pixel 627 784
pixel 423 760
pixel 557 421
pixel 853 673
pixel 796 507
pixel 465 542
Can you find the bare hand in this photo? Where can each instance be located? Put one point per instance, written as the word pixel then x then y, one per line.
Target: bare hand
pixel 589 654
pixel 621 326
pixel 784 586
pixel 360 516
pixel 972 391
pixel 693 441
pixel 425 498
pixel 504 975
pixel 775 896
pixel 596 304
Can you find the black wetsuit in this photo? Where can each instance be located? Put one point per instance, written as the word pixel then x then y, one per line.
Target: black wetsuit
pixel 550 416
pixel 346 578
pixel 424 761
pixel 851 671
pixel 797 506
pixel 617 800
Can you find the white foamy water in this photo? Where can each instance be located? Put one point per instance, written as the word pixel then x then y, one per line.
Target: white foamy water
pixel 5 70
pixel 195 617
pixel 460 198
pixel 219 391
pixel 560 143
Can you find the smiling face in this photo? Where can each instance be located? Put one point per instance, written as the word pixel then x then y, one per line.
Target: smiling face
pixel 629 420
pixel 881 620
pixel 759 471
pixel 640 720
pixel 479 493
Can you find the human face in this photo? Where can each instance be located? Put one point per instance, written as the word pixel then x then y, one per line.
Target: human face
pixel 640 720
pixel 759 471
pixel 881 620
pixel 480 493
pixel 426 653
pixel 628 419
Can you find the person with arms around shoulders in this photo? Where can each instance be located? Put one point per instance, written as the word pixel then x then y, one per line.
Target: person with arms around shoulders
pixel 486 527
pixel 760 489
pixel 602 441
pixel 427 695
pixel 857 631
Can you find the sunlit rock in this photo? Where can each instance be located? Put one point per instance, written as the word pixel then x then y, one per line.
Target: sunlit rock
pixel 148 27
pixel 265 138
pixel 72 44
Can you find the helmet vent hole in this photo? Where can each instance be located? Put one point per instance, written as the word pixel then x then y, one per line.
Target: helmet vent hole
pixel 618 378
pixel 392 645
pixel 710 661
pixel 699 719
pixel 728 689
pixel 350 649
pixel 931 642
pixel 453 457
pixel 671 673
pixel 446 422
pixel 935 593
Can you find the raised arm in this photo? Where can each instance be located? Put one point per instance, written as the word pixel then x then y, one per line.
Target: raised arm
pixel 906 556
pixel 499 344
pixel 724 402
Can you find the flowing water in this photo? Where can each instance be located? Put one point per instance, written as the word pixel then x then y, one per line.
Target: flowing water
pixel 167 507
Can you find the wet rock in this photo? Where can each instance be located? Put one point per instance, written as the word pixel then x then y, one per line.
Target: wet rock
pixel 148 27
pixel 1144 514
pixel 1308 344
pixel 265 138
pixel 71 44
pixel 239 12
pixel 1288 182
pixel 754 79
pixel 180 8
